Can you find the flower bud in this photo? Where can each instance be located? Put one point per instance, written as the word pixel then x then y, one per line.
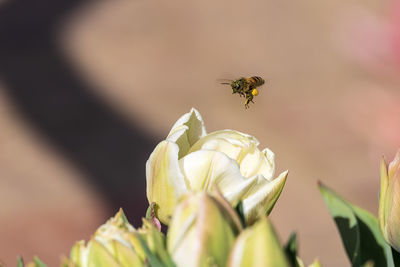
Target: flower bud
pixel 389 202
pixel 202 231
pixel 258 245
pixel 116 243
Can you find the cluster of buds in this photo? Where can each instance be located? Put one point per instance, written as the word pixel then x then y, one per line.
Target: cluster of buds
pixel 204 231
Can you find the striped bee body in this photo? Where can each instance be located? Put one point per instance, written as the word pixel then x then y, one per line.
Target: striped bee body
pixel 255 81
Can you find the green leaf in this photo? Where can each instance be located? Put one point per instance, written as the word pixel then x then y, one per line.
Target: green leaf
pixel 291 249
pixel 359 231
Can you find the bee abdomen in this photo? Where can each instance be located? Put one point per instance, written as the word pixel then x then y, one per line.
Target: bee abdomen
pixel 257 81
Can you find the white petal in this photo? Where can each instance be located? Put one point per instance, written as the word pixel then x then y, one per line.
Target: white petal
pixel 205 168
pixel 222 145
pixel 261 198
pixel 165 182
pixel 236 192
pixel 258 162
pixel 233 143
pixel 270 156
pixel 243 149
pixel 234 138
pixel 179 136
pixel 187 130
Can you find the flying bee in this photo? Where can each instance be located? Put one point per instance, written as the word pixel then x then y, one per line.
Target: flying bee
pixel 246 87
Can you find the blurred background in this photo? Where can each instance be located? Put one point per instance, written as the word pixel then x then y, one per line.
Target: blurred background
pixel 88 88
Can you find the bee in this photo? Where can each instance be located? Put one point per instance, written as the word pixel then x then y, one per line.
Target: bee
pixel 246 87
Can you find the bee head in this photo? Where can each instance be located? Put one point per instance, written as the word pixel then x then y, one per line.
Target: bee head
pixel 235 86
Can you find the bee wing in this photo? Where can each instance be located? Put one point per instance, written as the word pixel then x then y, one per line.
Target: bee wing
pixel 224 81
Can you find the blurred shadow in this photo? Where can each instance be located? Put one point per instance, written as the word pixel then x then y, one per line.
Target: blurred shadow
pixel 58 103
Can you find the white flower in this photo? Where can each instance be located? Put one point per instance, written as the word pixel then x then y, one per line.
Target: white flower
pixel 192 160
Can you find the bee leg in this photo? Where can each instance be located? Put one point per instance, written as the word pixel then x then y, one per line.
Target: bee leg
pixel 246 103
pixel 249 98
